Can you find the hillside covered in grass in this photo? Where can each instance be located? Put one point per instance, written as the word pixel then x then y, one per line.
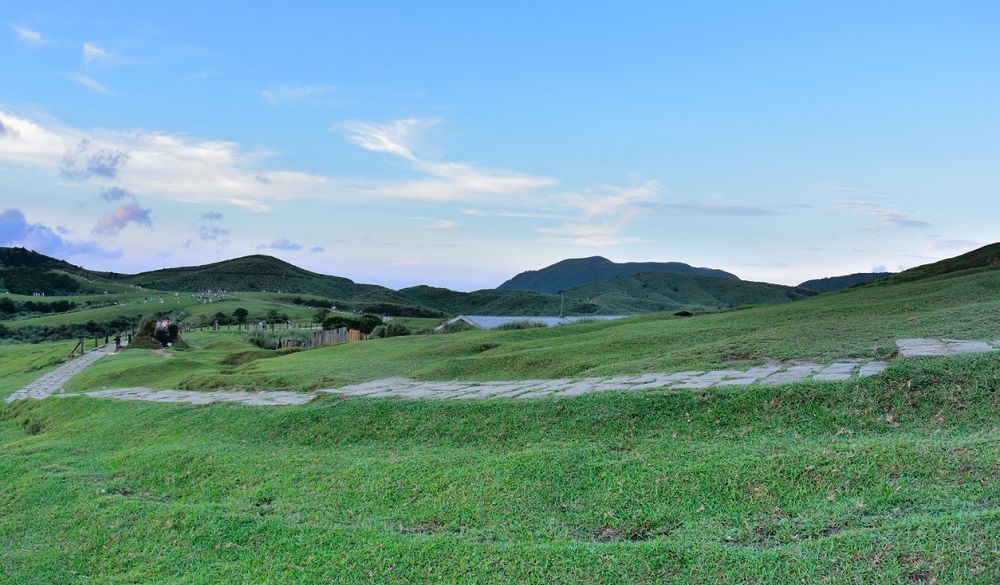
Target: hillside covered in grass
pixel 653 292
pixel 887 479
pixel 576 272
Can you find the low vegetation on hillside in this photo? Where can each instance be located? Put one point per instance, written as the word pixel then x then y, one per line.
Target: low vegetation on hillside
pixel 884 480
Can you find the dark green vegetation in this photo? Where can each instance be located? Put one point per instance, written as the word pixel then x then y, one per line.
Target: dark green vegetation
pixel 581 271
pixel 83 303
pixel 889 479
pixel 651 292
pixel 838 282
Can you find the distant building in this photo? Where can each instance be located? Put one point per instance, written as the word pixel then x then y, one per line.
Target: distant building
pixel 492 322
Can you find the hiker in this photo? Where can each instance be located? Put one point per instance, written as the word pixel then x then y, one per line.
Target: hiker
pixel 118 340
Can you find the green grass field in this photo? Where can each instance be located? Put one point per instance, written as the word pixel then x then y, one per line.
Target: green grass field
pixel 888 479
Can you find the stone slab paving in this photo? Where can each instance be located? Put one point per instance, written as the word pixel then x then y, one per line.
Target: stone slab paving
pixel 53 381
pixel 771 374
pixel 939 347
pixel 269 398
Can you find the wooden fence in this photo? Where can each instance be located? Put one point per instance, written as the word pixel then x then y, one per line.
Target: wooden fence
pixel 326 337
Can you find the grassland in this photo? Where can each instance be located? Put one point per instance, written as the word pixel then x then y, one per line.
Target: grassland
pixel 889 479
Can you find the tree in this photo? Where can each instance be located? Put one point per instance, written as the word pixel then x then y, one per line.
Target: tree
pixel 320 315
pixel 241 315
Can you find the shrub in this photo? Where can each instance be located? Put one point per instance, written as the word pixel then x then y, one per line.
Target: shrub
pixel 514 325
pixel 457 326
pixel 389 330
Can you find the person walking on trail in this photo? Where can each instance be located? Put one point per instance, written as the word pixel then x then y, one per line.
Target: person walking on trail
pixel 118 340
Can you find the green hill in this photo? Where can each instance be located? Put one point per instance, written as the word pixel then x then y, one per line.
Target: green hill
pixel 24 272
pixel 259 273
pixel 652 292
pixel 838 282
pixel 981 258
pixel 580 271
pixel 885 479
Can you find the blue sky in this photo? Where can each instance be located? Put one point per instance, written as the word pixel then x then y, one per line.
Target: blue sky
pixel 458 143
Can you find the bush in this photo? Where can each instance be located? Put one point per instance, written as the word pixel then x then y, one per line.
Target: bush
pixel 515 325
pixel 389 330
pixel 457 327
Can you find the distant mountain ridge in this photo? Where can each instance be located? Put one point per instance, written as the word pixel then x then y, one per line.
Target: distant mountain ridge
pixel 582 271
pixel 833 283
pixel 25 272
pixel 653 292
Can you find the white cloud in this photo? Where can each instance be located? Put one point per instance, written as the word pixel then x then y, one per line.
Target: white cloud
pixel 394 138
pixel 283 244
pixel 115 221
pixel 26 34
pixel 605 214
pixel 93 53
pixel 115 194
pixel 89 82
pixel 953 245
pixel 885 217
pixel 82 163
pixel 727 209
pixel 445 181
pixel 27 142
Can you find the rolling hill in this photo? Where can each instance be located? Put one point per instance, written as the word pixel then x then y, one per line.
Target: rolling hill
pixel 652 292
pixel 580 271
pixel 833 283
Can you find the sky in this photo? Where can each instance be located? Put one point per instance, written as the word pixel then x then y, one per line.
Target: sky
pixel 456 143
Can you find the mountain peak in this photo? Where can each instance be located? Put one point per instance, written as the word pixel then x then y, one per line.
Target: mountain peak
pixel 580 271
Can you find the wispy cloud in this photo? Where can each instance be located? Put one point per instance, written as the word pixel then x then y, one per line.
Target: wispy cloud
pixel 115 221
pixel 83 163
pixel 743 210
pixel 89 82
pixel 290 94
pixel 283 244
pixel 115 194
pixel 317 250
pixel 436 224
pixel 212 233
pixel 885 217
pixel 95 54
pixel 213 216
pixel 15 230
pixel 512 214
pixel 395 137
pixel 443 181
pixel 604 214
pixel 952 244
pixel 26 34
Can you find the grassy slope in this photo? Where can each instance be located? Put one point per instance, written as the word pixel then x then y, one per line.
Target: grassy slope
pixel 890 480
pixel 858 323
pixel 649 292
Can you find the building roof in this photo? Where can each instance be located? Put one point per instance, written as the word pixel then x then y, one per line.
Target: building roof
pixel 492 321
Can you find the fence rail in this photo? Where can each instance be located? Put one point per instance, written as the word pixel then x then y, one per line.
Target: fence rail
pixel 324 338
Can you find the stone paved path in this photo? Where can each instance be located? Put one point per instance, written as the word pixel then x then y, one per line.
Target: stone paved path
pixel 53 381
pixel 272 398
pixel 772 374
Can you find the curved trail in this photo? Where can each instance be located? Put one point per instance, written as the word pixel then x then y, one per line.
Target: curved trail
pixel 771 374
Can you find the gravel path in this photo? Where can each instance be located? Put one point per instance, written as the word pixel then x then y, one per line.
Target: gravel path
pixel 772 374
